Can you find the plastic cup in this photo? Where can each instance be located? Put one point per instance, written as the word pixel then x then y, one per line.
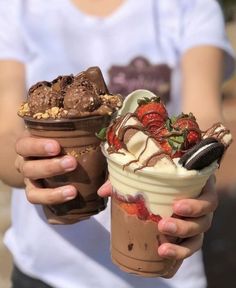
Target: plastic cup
pixel 76 137
pixel 134 241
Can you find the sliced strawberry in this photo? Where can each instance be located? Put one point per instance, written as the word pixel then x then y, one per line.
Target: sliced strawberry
pixel 154 218
pixel 166 147
pixel 137 207
pixel 151 112
pixel 110 136
pixel 143 212
pixel 116 143
pixel 112 139
pixel 130 208
pixel 177 154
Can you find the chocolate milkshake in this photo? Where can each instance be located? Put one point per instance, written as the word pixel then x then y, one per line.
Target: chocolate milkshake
pixel 72 110
pixel 154 160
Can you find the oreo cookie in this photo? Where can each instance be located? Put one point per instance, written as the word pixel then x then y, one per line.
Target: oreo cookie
pixel 203 154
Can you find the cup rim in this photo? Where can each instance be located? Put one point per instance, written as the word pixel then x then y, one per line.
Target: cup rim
pixel 64 120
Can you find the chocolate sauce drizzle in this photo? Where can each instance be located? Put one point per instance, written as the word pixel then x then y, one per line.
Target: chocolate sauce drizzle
pixel 158 156
pixel 219 135
pixel 119 126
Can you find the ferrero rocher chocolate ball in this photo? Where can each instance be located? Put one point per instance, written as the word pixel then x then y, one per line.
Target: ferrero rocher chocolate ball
pixel 41 97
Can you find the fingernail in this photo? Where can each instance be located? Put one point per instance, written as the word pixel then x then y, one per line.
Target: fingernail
pixel 170 227
pixel 67 163
pixel 68 193
pixel 49 148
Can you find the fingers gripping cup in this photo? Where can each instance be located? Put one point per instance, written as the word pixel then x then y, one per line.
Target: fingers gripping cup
pixel 72 110
pixel 153 161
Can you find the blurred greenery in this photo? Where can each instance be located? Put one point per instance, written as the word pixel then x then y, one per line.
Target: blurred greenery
pixel 229 8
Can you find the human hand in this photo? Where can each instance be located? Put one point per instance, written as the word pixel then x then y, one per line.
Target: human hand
pixel 39 158
pixel 196 219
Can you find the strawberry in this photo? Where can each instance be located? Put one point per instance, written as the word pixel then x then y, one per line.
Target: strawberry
pixel 193 137
pixel 116 143
pixel 151 112
pixel 161 135
pixel 112 139
pixel 186 123
pixel 177 154
pixel 166 147
pixel 137 207
pixel 130 208
pixel 154 218
pixel 143 212
pixel 110 136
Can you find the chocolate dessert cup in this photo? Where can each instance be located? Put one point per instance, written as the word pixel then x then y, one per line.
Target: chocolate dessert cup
pixel 72 109
pixel 152 163
pixel 77 137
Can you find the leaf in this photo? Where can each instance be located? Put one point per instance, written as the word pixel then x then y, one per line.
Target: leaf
pixel 142 101
pixel 176 142
pixel 156 99
pixel 168 124
pixel 102 134
pixel 173 119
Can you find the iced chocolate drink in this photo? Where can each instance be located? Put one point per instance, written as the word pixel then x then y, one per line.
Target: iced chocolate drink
pixel 72 110
pixel 154 160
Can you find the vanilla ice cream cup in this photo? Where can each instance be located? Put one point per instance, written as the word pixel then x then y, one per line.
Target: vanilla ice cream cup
pixel 134 242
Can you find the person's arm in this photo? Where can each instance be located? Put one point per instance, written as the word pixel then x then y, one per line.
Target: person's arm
pixel 12 89
pixel 202 72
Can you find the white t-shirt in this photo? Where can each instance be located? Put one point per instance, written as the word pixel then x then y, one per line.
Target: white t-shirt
pixel 53 37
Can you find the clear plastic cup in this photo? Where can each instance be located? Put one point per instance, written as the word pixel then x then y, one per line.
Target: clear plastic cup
pixel 134 241
pixel 77 137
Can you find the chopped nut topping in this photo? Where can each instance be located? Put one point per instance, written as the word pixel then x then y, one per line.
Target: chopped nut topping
pixel 73 153
pixel 86 150
pixel 24 110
